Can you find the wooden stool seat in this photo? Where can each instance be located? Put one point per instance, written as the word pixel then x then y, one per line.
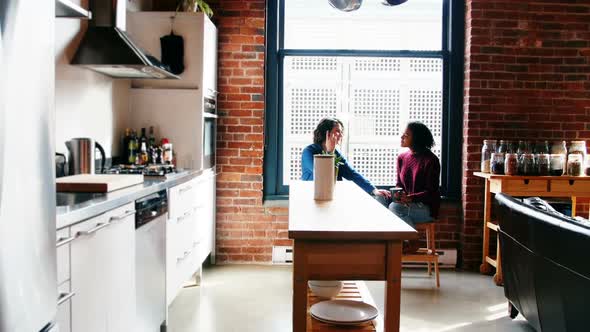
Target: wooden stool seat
pixel 428 254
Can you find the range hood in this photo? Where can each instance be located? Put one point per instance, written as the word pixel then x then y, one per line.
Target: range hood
pixel 106 48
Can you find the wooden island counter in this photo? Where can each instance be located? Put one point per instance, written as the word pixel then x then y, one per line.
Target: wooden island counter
pixel 352 237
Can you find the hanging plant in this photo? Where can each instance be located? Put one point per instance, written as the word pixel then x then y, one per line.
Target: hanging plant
pixel 196 6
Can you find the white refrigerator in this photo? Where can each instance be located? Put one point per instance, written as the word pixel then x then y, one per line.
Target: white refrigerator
pixel 28 276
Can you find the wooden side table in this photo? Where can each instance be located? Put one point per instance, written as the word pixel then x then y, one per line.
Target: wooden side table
pixel 521 185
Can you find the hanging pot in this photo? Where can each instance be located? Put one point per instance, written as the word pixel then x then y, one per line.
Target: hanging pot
pixel 346 5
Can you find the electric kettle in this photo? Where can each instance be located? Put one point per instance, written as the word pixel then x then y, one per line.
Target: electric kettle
pixel 81 157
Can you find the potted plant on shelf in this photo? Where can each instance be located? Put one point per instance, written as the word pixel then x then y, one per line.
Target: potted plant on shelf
pixel 195 6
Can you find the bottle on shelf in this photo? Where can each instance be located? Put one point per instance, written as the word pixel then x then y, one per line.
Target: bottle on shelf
pixel 143 150
pixel 132 148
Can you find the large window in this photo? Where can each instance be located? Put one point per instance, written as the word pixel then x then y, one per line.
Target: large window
pixel 376 69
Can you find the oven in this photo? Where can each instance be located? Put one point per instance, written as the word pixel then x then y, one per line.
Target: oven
pixel 209 131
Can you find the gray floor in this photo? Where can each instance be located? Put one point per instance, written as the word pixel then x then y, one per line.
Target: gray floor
pixel 249 298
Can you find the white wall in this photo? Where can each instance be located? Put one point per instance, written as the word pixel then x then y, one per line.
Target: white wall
pixel 87 104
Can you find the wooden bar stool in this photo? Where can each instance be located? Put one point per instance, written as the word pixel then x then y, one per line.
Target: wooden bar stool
pixel 428 254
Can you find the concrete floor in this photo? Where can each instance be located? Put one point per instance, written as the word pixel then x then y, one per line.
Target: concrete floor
pixel 250 298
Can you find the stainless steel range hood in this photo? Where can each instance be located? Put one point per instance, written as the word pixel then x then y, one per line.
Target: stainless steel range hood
pixel 107 49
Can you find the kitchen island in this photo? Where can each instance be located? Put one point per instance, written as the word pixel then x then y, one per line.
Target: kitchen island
pixel 351 237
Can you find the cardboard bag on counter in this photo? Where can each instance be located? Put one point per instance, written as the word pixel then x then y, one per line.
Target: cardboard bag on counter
pixel 323 177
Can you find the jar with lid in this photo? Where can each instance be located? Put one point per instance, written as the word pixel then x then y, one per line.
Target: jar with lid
pixel 511 164
pixel 559 147
pixel 497 163
pixel 528 164
pixel 578 147
pixel 542 147
pixel 489 147
pixel 574 164
pixel 542 162
pixel 556 164
pixel 502 147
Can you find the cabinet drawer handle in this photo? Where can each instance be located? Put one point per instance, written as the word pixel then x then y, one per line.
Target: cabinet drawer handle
pixel 98 227
pixel 62 241
pixel 186 253
pixel 187 188
pixel 122 216
pixel 63 297
pixel 184 216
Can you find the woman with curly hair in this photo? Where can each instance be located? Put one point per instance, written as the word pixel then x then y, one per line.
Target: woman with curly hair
pixel 326 136
pixel 418 173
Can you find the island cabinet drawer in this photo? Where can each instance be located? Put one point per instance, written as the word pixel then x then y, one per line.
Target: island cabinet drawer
pixel 520 186
pixel 570 186
pixel 328 261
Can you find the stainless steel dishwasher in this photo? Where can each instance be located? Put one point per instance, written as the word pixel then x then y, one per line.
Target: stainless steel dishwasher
pixel 150 261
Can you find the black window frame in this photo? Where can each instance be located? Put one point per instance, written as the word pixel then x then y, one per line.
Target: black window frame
pixel 452 54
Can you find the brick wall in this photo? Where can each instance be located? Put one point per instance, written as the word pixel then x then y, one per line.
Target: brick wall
pixel 246 230
pixel 527 75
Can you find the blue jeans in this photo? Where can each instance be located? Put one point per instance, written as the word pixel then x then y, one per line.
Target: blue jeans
pixel 412 213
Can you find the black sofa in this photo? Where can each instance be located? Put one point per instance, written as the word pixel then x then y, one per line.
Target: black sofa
pixel 546 265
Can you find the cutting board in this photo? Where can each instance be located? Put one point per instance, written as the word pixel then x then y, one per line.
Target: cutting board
pixel 96 183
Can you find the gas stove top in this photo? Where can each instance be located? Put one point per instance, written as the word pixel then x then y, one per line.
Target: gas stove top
pixel 147 170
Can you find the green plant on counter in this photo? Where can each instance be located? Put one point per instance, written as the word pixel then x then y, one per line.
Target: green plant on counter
pixel 337 162
pixel 195 5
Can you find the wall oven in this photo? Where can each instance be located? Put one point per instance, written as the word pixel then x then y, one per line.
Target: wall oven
pixel 209 130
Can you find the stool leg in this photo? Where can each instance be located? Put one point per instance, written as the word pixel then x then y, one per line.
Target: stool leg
pixel 428 245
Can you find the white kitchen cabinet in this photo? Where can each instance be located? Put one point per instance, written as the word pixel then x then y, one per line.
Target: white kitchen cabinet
pixel 103 272
pixel 181 247
pixel 64 307
pixel 200 46
pixel 206 201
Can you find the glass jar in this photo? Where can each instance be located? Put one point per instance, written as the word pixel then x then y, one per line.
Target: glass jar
pixel 559 147
pixel 574 164
pixel 578 147
pixel 497 163
pixel 542 147
pixel 489 147
pixel 502 147
pixel 556 164
pixel 528 164
pixel 542 161
pixel 511 164
pixel 522 148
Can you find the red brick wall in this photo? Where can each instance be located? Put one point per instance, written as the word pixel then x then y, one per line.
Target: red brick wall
pixel 527 75
pixel 246 231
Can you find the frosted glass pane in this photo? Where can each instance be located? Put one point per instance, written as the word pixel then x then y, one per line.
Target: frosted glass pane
pixel 314 24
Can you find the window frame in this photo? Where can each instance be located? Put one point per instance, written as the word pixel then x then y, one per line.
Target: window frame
pixel 452 115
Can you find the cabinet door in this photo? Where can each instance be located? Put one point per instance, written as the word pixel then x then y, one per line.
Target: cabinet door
pixel 64 309
pixel 209 220
pixel 209 57
pixel 87 276
pixel 119 276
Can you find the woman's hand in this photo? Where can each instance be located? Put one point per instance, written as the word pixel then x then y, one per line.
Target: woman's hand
pixel 382 192
pixel 331 141
pixel 405 199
